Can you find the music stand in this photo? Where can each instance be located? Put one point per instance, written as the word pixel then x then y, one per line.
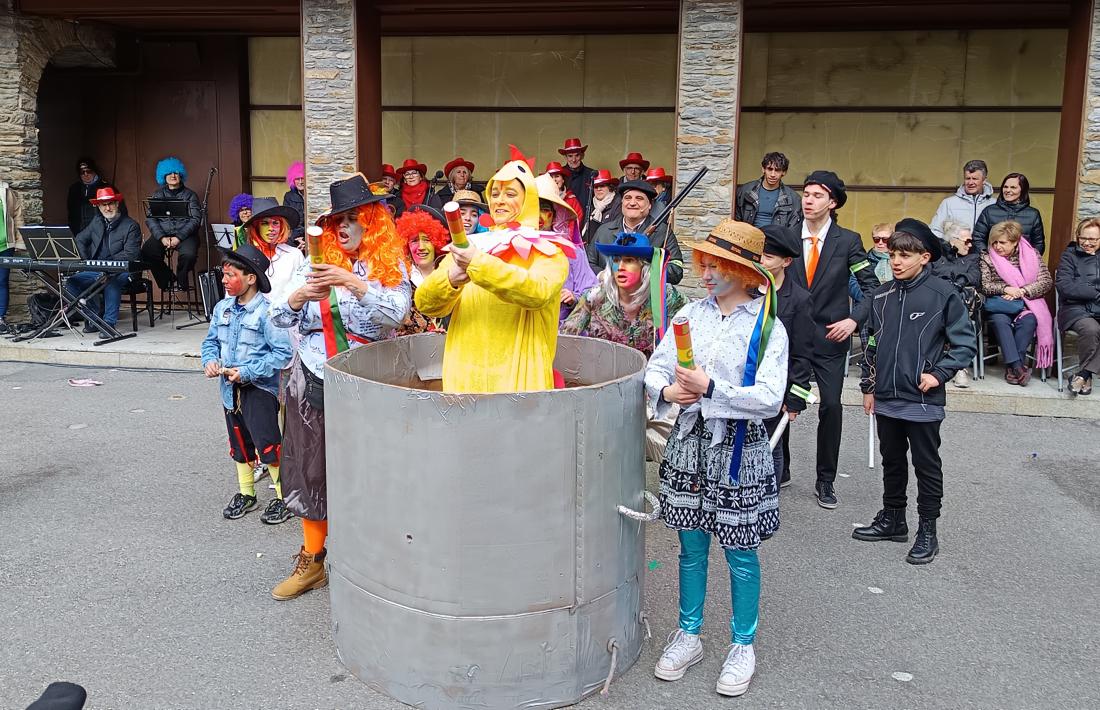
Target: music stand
pixel 225 235
pixel 50 243
pixel 156 207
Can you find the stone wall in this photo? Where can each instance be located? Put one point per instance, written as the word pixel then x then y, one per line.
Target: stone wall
pixel 1088 186
pixel 328 85
pixel 706 110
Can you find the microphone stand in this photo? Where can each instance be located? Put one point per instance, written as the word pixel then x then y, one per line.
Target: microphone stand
pixel 204 230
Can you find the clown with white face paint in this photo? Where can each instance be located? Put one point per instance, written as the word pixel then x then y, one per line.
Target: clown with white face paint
pixel 269 229
pixel 502 293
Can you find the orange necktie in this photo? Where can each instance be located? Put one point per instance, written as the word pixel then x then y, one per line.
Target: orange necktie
pixel 811 267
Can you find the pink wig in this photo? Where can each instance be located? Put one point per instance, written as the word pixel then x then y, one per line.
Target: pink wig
pixel 295 171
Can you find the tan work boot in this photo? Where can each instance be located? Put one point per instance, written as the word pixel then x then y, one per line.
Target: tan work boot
pixel 309 573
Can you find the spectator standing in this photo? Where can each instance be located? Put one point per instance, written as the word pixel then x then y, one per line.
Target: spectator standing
pixel 1013 205
pixel 767 200
pixel 82 192
pixel 922 336
pixel 633 167
pixel 560 175
pixel 295 198
pixel 637 204
pixel 662 183
pixel 460 176
pixel 1015 279
pixel 415 190
pixel 173 233
pixel 830 254
pixel 1078 283
pixel 11 219
pixel 390 178
pixel 606 205
pixel 581 176
pixel 969 201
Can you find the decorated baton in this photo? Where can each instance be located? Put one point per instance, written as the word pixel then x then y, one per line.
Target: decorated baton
pixel 313 238
pixel 454 225
pixel 681 329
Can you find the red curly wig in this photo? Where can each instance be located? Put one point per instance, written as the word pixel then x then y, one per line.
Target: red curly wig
pixel 266 247
pixel 412 224
pixel 382 247
pixel 732 270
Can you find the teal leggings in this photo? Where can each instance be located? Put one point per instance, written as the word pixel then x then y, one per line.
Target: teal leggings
pixel 744 568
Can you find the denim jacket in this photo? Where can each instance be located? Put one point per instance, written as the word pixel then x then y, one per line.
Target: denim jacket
pixel 246 339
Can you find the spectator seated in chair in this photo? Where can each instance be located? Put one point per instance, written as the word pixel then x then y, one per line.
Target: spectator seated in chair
pixel 111 236
pixel 960 265
pixel 172 233
pixel 1078 284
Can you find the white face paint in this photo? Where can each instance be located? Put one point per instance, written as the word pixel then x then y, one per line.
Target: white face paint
pixel 716 284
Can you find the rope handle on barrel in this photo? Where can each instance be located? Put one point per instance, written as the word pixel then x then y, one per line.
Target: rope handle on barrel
pixel 642 517
pixel 613 648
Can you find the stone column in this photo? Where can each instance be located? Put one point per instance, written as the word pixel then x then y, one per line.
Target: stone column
pixel 707 104
pixel 1088 168
pixel 331 95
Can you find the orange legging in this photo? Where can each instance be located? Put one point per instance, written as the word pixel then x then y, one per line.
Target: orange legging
pixel 314 532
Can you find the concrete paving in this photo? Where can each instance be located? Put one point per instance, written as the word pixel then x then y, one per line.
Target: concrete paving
pixel 118 571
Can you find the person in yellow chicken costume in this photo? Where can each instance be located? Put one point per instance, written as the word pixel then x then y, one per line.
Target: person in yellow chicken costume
pixel 502 293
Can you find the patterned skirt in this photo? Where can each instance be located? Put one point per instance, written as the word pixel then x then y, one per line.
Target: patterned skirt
pixel 696 493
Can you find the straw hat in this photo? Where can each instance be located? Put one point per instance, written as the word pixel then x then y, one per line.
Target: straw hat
pixel 548 190
pixel 736 241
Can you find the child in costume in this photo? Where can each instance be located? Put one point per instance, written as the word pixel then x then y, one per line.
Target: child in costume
pixel 426 236
pixel 502 293
pixel 921 335
pixel 717 476
pixel 558 216
pixel 269 229
pixel 358 294
pixel 247 352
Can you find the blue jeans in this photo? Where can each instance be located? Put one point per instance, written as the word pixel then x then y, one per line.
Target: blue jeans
pixel 1014 336
pixel 111 296
pixel 4 274
pixel 744 568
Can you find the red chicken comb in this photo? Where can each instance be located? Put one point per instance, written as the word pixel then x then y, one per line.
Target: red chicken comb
pixel 517 154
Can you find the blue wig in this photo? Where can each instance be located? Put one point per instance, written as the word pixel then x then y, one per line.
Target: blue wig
pixel 238 203
pixel 170 165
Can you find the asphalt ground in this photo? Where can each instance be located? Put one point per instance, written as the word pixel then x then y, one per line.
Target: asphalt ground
pixel 118 572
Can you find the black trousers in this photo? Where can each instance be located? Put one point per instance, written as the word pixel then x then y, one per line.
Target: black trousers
pixel 896 437
pixel 829 375
pixel 154 255
pixel 253 426
pixel 781 454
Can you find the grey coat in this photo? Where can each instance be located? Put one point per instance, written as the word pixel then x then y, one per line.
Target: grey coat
pixel 962 208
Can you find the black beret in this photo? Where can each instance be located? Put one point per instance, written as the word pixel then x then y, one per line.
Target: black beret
pixel 782 241
pixel 920 230
pixel 831 182
pixel 640 186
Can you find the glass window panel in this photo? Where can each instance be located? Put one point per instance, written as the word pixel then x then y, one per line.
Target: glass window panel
pixel 277 141
pixel 274 71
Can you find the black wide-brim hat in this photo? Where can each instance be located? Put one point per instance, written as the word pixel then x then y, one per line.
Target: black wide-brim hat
pixel 270 207
pixel 253 261
pixel 352 192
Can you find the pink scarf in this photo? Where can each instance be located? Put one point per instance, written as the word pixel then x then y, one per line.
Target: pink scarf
pixel 1028 273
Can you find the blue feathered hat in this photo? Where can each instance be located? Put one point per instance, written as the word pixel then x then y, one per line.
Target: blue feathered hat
pixel 628 244
pixel 170 165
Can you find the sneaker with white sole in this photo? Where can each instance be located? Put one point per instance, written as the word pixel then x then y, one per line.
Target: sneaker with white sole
pixel 737 670
pixel 962 379
pixel 683 651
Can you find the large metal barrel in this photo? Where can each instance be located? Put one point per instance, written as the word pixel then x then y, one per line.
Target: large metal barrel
pixel 476 556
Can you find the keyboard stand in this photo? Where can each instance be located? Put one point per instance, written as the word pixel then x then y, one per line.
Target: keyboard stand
pixel 70 306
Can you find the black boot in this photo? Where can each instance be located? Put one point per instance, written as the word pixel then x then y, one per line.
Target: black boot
pixel 889 524
pixel 925 546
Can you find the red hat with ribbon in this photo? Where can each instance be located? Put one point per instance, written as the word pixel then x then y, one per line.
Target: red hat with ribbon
pixel 556 168
pixel 634 159
pixel 411 164
pixel 603 177
pixel 104 195
pixel 658 175
pixel 388 171
pixel 572 145
pixel 455 163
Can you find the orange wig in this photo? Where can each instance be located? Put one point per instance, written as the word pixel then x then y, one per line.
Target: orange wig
pixel 413 223
pixel 381 249
pixel 732 270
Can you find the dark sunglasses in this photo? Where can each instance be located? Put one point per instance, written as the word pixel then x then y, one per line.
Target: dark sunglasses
pixel 880 240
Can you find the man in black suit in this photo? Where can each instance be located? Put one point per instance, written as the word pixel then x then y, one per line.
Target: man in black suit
pixel 830 254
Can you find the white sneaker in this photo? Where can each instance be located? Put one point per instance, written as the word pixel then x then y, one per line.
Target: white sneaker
pixel 259 470
pixel 682 652
pixel 737 670
pixel 962 379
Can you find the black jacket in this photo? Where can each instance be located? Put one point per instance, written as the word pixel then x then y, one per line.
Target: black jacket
pixel 788 206
pixel 1078 284
pixel 662 238
pixel 183 228
pixel 294 198
pixel 613 213
pixel 446 194
pixel 580 184
pixel 793 306
pixel 917 326
pixel 1022 212
pixel 841 254
pixel 123 239
pixel 81 211
pixel 962 271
